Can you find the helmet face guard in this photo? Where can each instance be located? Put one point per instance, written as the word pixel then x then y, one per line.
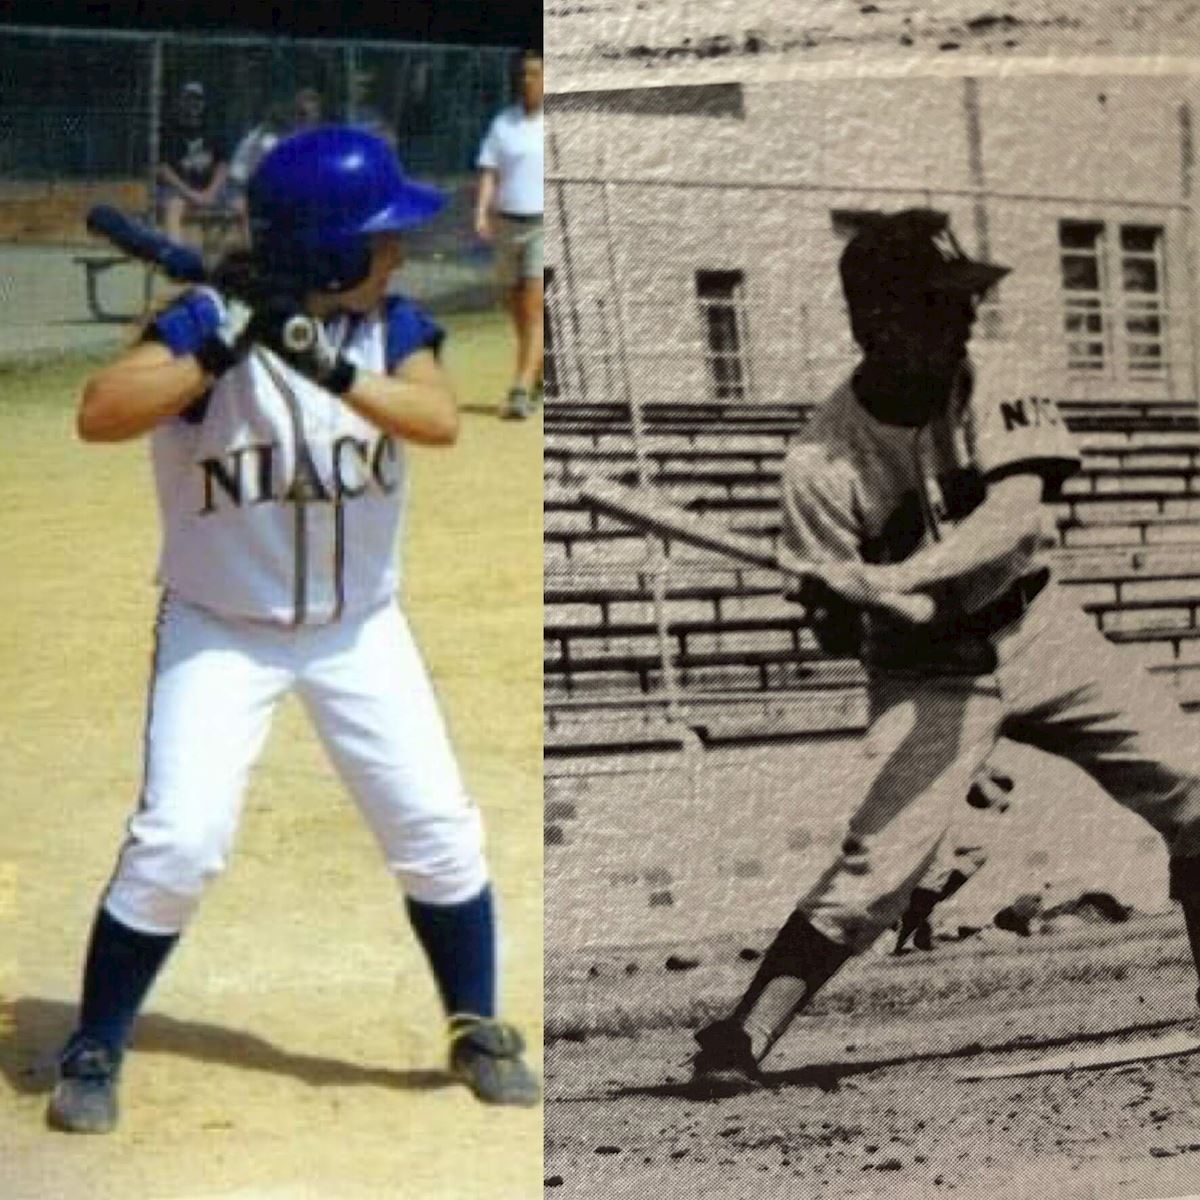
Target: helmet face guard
pixel 318 197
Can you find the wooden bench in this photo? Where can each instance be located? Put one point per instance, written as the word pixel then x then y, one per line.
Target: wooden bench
pixel 659 412
pixel 1079 533
pixel 813 670
pixel 571 463
pixel 569 539
pixel 1160 477
pixel 564 634
pixel 642 592
pixel 615 724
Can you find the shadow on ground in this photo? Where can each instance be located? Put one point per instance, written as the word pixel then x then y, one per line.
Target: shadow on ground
pixel 41 1026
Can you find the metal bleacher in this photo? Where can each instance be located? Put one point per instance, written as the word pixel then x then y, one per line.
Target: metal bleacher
pixel 742 660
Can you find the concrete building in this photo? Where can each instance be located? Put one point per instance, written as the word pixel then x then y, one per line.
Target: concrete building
pixel 694 230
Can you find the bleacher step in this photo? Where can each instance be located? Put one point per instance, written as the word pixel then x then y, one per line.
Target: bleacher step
pixel 720 719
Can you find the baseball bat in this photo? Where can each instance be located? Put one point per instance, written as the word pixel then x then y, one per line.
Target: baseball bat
pixel 179 263
pixel 647 510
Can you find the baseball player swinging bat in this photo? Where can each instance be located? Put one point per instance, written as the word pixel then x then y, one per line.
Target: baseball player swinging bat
pixel 646 510
pixel 181 264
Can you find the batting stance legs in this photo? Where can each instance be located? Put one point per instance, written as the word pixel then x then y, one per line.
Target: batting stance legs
pixel 215 687
pixel 217 684
pixel 1070 694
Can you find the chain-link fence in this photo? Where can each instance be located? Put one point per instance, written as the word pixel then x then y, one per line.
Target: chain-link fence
pixel 82 119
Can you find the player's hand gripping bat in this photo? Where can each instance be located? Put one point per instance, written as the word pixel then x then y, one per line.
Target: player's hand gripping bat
pixel 646 510
pixel 179 263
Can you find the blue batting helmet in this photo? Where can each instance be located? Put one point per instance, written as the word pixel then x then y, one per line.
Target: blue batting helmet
pixel 316 198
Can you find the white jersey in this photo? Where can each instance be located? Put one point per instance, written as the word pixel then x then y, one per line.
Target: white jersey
pixel 282 504
pixel 856 487
pixel 251 150
pixel 860 488
pixel 514 148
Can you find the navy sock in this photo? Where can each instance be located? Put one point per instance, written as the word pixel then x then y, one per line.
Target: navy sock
pixel 122 964
pixel 460 942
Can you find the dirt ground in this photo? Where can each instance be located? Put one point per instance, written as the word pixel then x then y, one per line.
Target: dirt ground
pixel 55 212
pixel 596 34
pixel 863 1098
pixel 656 917
pixel 294 1045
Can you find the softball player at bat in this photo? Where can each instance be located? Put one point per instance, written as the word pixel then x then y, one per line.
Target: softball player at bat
pixel 281 484
pixel 923 475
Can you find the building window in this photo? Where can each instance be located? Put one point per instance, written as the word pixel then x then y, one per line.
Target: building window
pixel 1142 284
pixel 1114 320
pixel 1085 283
pixel 549 314
pixel 722 299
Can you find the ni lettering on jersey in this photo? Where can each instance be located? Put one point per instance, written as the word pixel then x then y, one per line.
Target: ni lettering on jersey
pixel 860 488
pixel 298 498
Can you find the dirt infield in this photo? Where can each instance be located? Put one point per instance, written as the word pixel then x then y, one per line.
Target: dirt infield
pixel 656 917
pixel 294 1045
pixel 863 1098
pixel 55 212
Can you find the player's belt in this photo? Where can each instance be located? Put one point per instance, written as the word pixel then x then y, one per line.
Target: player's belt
pixel 523 218
pixel 1010 607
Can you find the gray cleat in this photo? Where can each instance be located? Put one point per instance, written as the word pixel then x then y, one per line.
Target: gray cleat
pixel 486 1056
pixel 516 406
pixel 85 1098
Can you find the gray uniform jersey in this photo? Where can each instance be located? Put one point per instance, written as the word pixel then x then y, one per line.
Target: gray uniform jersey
pixel 858 488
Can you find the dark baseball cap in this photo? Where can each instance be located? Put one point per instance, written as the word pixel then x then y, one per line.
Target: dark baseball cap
pixel 909 253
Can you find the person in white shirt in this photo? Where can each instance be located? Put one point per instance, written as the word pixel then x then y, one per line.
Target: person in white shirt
pixel 250 151
pixel 281 475
pixel 508 213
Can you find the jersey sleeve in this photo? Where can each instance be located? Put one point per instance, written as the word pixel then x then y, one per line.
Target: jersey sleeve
pixel 819 523
pixel 1014 428
pixel 409 329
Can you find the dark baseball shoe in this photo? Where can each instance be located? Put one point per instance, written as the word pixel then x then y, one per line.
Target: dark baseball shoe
pixel 85 1098
pixel 486 1056
pixel 724 1065
pixel 915 937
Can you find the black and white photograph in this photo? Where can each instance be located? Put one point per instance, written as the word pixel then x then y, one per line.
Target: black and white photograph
pixel 872 569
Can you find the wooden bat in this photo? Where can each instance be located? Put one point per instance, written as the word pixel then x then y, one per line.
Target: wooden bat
pixel 645 509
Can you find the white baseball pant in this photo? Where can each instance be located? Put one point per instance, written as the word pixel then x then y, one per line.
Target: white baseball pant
pixel 215 687
pixel 1060 686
